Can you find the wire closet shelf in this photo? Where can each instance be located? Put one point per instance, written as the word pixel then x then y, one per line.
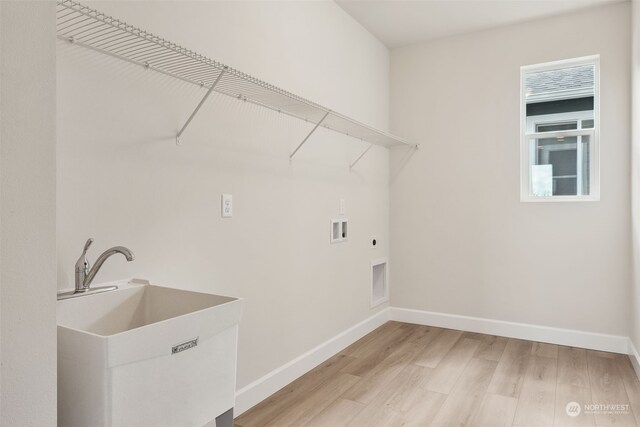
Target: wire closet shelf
pixel 92 29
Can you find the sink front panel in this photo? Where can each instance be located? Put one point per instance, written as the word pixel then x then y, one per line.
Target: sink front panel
pixel 174 389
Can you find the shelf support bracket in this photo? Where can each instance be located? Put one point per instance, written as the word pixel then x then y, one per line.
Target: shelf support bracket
pixel 200 104
pixel 360 156
pixel 310 133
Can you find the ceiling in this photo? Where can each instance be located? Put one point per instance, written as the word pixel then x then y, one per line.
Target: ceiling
pixel 403 22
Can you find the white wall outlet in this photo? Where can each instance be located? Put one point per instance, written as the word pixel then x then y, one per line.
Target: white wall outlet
pixel 227 206
pixel 342 207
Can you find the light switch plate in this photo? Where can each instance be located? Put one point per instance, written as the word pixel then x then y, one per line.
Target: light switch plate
pixel 227 206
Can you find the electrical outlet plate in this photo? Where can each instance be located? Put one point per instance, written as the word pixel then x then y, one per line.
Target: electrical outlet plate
pixel 227 206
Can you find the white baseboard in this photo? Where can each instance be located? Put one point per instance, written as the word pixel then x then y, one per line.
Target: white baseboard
pixel 264 387
pixel 635 358
pixel 568 337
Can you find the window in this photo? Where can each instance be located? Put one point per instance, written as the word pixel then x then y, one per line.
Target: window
pixel 559 151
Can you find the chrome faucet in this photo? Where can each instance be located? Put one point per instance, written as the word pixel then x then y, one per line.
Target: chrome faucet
pixel 85 274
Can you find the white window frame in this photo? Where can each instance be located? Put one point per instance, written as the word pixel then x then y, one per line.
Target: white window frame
pixel 527 133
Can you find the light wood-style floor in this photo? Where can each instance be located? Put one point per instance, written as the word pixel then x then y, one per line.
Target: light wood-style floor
pixel 411 375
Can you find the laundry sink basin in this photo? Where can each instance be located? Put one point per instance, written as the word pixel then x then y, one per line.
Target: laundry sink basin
pixel 146 355
pixel 135 304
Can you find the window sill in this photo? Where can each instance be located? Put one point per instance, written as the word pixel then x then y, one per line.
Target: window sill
pixel 560 199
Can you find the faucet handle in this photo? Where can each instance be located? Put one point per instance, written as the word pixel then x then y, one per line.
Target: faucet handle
pixel 83 264
pixel 86 246
pixel 82 268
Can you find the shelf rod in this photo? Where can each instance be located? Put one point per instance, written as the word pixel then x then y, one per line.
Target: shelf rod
pixel 200 105
pixel 360 156
pixel 310 133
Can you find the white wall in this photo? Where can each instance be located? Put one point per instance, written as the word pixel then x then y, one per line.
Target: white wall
pixel 462 242
pixel 122 180
pixel 635 174
pixel 27 214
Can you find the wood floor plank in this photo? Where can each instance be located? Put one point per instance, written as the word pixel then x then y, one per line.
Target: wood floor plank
pixel 311 404
pixel 537 399
pixel 604 354
pixel 380 382
pixel 467 395
pixel 418 406
pixel 443 378
pixel 274 405
pixel 409 393
pixel 420 339
pixel 382 416
pixel 607 388
pixel 362 365
pixel 491 347
pixel 509 376
pixel 377 412
pixel 545 350
pixel 338 414
pixel 423 408
pixel 566 394
pixel 495 411
pixel 572 367
pixel 438 348
pixel 631 384
pixel 371 342
pixel 473 335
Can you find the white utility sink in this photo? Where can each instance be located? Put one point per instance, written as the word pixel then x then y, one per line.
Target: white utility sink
pixel 146 355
